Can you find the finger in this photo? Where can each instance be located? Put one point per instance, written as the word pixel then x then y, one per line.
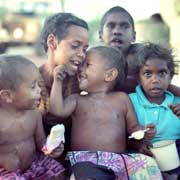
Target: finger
pixel 146 151
pixel 151 125
pixel 176 109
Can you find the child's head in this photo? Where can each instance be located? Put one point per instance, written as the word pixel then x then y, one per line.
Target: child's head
pixel 132 52
pixel 155 69
pixel 117 28
pixel 18 82
pixel 103 67
pixel 65 39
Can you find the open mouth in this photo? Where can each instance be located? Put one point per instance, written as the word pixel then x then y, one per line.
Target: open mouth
pixel 75 65
pixel 117 41
pixel 156 90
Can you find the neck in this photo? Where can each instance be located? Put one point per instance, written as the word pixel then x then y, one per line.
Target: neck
pixel 10 109
pixel 47 74
pixel 156 100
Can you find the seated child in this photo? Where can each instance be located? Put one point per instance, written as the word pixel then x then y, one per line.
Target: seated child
pixel 21 131
pixel 152 102
pixel 101 120
pixel 117 29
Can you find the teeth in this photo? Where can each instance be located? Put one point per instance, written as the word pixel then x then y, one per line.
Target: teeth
pixel 76 62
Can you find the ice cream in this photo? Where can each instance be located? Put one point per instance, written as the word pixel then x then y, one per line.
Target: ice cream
pixel 138 134
pixel 55 138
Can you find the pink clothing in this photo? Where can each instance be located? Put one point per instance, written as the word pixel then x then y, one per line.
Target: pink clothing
pixel 42 168
pixel 125 166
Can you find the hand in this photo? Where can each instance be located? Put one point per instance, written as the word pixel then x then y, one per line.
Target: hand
pixel 144 148
pixel 151 132
pixel 175 109
pixel 57 152
pixel 60 72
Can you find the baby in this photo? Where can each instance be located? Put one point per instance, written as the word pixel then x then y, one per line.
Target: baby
pixel 21 132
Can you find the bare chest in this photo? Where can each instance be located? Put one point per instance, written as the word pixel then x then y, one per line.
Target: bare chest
pixel 16 129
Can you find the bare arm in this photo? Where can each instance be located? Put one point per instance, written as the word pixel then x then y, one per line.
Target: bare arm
pixel 40 137
pixel 131 119
pixel 58 105
pixel 174 89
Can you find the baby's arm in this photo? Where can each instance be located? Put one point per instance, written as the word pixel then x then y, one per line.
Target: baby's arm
pixel 58 105
pixel 40 137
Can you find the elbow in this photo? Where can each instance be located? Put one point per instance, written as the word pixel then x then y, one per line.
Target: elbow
pixel 57 112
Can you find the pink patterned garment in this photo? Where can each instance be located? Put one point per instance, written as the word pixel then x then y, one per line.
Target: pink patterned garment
pixel 43 168
pixel 125 166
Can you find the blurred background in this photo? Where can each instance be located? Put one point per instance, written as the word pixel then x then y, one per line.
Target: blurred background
pixel 21 21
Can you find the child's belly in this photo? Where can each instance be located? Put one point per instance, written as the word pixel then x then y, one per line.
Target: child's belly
pixel 19 155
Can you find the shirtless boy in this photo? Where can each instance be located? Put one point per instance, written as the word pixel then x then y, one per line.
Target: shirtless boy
pixel 101 120
pixel 21 131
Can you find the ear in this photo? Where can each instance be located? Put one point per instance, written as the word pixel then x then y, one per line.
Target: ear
pixel 100 36
pixel 111 75
pixel 134 36
pixel 52 42
pixel 6 95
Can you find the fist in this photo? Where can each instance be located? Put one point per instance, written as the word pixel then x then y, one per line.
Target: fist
pixel 60 72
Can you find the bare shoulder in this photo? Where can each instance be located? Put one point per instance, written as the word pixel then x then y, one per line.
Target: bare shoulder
pixel 35 114
pixel 121 95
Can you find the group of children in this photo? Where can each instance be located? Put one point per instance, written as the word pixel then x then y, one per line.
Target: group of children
pixel 98 123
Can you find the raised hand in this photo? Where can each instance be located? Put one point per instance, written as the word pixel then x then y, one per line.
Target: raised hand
pixel 60 72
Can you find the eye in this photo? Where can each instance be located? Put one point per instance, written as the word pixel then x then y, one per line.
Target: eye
pixel 125 25
pixel 163 73
pixel 147 74
pixel 75 45
pixel 110 25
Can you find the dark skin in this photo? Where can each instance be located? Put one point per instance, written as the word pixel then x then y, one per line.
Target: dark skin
pixel 102 119
pixel 18 152
pixel 118 32
pixel 21 131
pixel 97 114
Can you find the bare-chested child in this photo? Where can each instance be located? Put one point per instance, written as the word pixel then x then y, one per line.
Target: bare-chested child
pixel 21 131
pixel 101 120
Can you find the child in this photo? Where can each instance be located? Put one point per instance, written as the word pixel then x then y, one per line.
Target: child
pixel 22 134
pixel 152 101
pixel 101 120
pixel 65 40
pixel 117 30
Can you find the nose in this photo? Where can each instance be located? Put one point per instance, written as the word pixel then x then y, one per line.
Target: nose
pixel 117 30
pixel 81 54
pixel 155 78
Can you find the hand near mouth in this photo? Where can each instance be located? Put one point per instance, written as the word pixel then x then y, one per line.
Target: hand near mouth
pixel 60 72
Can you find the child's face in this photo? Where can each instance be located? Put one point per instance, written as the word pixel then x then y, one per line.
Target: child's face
pixel 71 50
pixel 92 73
pixel 155 78
pixel 27 95
pixel 118 31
